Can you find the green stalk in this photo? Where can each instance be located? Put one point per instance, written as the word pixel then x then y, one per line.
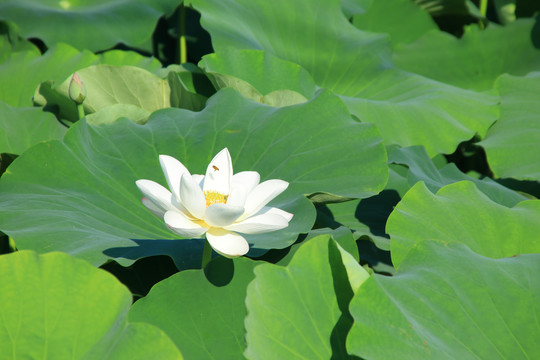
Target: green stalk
pixel 483 7
pixel 483 12
pixel 206 254
pixel 182 49
pixel 80 111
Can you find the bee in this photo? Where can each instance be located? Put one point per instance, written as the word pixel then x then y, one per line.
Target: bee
pixel 215 168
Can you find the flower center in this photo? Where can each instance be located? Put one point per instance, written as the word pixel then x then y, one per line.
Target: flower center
pixel 214 197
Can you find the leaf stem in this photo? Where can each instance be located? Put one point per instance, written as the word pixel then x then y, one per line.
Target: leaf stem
pixel 483 12
pixel 483 7
pixel 206 254
pixel 182 49
pixel 80 111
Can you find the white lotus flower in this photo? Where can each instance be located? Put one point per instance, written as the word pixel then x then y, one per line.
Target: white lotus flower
pixel 220 204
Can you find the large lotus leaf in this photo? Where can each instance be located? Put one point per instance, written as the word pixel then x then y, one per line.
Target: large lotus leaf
pixel 447 302
pixel 182 97
pixel 301 311
pixel 57 307
pixel 411 110
pixel 123 57
pixel 22 72
pixel 263 71
pixel 366 217
pixel 206 318
pixel 353 7
pixel 190 86
pixel 87 24
pixel 475 60
pixel 513 143
pixel 460 213
pixel 79 195
pixel 21 128
pixel 405 22
pixel 341 235
pixel 108 85
pixel 110 113
pixel 408 109
pixel 422 168
pixel 12 42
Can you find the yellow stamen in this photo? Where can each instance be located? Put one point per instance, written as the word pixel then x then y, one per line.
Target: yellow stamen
pixel 214 197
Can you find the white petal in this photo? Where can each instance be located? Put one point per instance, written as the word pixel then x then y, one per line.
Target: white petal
pixel 238 196
pixel 262 195
pixel 246 179
pixel 276 211
pixel 154 209
pixel 182 226
pixel 179 206
pixel 259 224
pixel 219 173
pixel 199 179
pixel 173 171
pixel 227 243
pixel 155 193
pixel 220 215
pixel 192 196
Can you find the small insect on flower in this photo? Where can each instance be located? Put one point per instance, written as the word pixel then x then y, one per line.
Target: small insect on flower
pixel 221 205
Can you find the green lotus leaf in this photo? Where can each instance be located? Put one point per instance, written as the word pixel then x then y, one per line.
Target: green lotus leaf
pixel 366 217
pixel 193 78
pixel 206 318
pixel 447 302
pixel 190 86
pixel 182 97
pixel 21 128
pixel 79 195
pixel 301 311
pixel 408 109
pixel 421 168
pixel 108 85
pixel 342 235
pixel 513 143
pixel 85 24
pixel 22 72
pixel 110 113
pixel 460 213
pixel 265 72
pixel 12 42
pixel 280 98
pixel 122 57
pixel 405 23
pixel 353 7
pixel 475 60
pixel 57 307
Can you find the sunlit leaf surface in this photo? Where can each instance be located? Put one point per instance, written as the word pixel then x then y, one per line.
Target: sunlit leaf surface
pixel 447 302
pixel 57 307
pixel 80 195
pixel 460 213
